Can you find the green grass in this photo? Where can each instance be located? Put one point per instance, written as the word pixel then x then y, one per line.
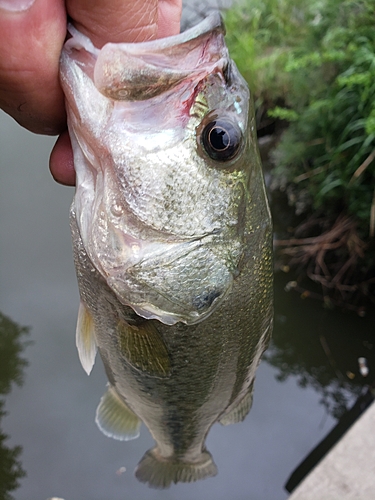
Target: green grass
pixel 312 63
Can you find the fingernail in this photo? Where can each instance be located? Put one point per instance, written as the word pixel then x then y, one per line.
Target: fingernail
pixel 16 5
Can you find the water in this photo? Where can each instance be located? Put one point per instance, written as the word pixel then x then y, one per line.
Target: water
pixel 51 416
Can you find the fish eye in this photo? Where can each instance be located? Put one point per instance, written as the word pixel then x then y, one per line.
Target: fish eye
pixel 221 139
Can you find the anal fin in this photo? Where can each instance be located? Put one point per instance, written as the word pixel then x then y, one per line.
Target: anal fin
pixel 239 412
pixel 85 338
pixel 144 348
pixel 115 419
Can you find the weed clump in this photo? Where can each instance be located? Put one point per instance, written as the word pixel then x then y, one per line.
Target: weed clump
pixel 311 67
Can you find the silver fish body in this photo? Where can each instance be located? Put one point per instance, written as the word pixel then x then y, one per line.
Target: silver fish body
pixel 172 239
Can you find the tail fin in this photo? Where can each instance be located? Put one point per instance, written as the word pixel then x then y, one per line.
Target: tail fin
pixel 160 472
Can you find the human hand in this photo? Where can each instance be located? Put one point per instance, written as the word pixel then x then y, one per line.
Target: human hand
pixel 32 36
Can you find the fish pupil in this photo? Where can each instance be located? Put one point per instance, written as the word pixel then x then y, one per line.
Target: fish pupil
pixel 221 139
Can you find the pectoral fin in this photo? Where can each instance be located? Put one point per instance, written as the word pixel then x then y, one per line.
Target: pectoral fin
pixel 115 419
pixel 239 412
pixel 144 348
pixel 85 339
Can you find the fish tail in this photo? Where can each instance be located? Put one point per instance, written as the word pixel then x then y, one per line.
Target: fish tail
pixel 160 472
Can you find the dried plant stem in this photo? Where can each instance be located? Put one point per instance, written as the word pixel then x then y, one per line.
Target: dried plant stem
pixel 330 259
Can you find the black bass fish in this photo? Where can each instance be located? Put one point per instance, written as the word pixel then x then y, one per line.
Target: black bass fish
pixel 172 239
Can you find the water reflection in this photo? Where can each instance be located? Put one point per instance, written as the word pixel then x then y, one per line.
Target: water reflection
pixel 321 348
pixel 11 370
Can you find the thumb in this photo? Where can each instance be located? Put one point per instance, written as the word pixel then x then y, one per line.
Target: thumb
pixel 125 20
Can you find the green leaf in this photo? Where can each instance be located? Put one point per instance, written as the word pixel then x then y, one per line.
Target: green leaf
pixel 283 113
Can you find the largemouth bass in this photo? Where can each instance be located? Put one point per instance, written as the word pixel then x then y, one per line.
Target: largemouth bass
pixel 172 239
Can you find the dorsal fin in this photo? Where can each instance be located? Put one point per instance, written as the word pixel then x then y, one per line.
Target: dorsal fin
pixel 85 338
pixel 144 348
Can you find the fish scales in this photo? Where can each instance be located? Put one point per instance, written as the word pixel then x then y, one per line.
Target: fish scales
pixel 172 240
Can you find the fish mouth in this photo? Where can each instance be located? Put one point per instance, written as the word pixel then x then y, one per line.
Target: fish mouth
pixel 139 71
pixel 175 282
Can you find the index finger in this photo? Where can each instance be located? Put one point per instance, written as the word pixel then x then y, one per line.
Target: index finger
pixel 31 42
